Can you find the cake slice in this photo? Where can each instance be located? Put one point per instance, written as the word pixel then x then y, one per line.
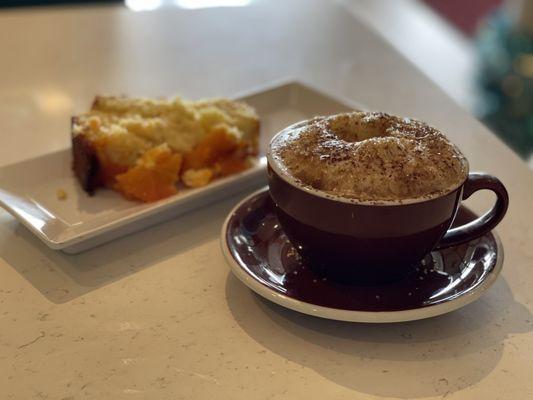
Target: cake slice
pixel 143 147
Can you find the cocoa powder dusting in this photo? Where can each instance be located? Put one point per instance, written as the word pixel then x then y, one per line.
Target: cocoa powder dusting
pixel 371 156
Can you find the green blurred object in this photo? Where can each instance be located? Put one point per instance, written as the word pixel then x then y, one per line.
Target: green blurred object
pixel 506 81
pixel 27 3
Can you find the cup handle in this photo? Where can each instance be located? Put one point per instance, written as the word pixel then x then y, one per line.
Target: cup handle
pixel 464 233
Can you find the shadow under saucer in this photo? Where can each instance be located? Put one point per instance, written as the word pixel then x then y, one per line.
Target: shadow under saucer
pixel 417 359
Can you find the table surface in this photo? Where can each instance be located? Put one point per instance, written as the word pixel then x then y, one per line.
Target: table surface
pixel 157 315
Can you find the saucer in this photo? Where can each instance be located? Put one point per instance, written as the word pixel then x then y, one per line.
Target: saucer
pixel 262 257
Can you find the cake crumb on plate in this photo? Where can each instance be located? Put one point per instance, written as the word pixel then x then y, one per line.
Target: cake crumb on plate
pixel 61 194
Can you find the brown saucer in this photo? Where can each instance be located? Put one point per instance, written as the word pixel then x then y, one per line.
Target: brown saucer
pixel 263 258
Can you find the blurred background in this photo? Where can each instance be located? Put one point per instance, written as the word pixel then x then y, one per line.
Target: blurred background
pixel 480 52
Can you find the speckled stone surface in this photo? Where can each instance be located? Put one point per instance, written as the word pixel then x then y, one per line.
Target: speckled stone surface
pixel 157 315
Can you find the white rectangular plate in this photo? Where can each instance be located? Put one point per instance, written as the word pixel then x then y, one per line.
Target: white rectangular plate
pixel 28 189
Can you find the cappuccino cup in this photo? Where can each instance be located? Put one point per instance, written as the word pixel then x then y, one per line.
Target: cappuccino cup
pixel 364 196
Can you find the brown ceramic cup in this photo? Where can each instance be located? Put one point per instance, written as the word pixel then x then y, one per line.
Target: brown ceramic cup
pixel 350 240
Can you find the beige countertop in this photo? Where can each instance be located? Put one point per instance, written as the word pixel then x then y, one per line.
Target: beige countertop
pixel 156 315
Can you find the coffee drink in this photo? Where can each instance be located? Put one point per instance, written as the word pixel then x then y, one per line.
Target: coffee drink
pixel 370 157
pixel 364 196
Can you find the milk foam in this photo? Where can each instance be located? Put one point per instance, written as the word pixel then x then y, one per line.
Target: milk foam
pixel 370 157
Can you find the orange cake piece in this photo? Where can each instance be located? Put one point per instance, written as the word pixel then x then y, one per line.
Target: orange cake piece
pixel 154 176
pixel 131 145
